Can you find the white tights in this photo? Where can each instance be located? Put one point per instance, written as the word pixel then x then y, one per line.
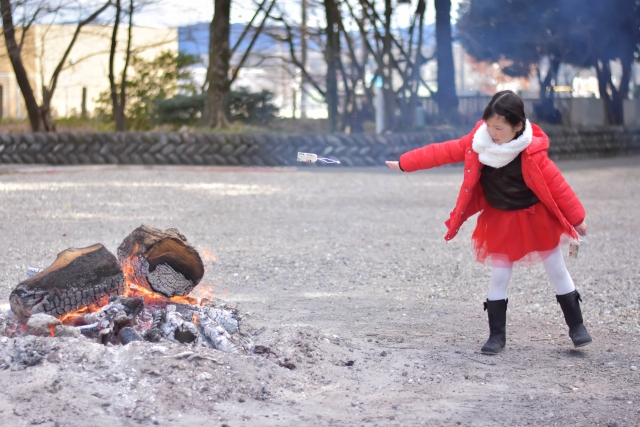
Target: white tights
pixel 554 266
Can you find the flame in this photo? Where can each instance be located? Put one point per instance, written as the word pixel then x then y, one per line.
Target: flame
pixel 204 292
pixel 207 255
pixel 137 286
pixel 72 316
pixel 52 329
pixel 134 288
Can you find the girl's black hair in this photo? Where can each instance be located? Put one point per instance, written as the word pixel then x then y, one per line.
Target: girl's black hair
pixel 508 105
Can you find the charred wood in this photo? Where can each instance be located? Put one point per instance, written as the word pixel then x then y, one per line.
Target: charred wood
pixel 128 335
pixel 161 261
pixel 154 334
pixel 176 328
pixel 107 323
pixel 78 277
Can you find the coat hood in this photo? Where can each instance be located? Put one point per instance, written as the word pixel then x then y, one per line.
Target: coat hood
pixel 539 141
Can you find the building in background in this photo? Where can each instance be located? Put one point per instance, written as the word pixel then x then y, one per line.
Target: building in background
pixel 86 70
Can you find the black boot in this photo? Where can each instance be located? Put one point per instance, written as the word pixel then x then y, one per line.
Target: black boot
pixel 497 311
pixel 573 316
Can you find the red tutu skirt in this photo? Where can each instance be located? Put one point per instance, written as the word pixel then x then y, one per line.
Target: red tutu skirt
pixel 524 236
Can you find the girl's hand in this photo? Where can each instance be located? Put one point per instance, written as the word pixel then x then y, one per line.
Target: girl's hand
pixel 394 165
pixel 582 228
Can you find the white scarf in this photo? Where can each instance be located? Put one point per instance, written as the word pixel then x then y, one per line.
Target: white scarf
pixel 499 155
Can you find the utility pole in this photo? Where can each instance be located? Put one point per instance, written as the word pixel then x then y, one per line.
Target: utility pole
pixel 303 42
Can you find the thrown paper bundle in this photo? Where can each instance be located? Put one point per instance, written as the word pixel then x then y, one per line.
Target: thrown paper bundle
pixel 312 158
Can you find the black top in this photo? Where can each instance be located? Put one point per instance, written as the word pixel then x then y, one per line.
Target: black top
pixel 505 189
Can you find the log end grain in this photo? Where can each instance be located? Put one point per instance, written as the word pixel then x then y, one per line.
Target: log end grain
pixel 175 267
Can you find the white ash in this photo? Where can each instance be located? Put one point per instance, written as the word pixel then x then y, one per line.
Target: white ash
pixel 213 327
pixel 178 329
pixel 224 317
pixel 41 324
pixel 217 336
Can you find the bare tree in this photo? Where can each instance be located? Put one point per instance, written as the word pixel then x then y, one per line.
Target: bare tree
pixel 350 73
pixel 218 82
pixel 394 58
pixel 119 90
pixel 30 12
pixel 215 110
pixel 118 99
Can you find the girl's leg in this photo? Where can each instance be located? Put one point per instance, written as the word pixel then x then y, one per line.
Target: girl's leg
pixel 557 271
pixel 500 276
pixel 567 296
pixel 496 307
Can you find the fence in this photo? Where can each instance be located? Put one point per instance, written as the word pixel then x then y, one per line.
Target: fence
pixel 276 150
pixel 575 111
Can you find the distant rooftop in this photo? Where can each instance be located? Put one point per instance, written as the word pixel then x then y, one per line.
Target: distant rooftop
pixel 194 39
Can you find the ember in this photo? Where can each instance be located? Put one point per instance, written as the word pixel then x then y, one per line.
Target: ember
pixel 141 295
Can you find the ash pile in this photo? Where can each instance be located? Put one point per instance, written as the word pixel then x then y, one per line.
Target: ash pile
pixel 143 294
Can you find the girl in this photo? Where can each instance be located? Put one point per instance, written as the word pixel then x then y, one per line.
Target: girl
pixel 527 209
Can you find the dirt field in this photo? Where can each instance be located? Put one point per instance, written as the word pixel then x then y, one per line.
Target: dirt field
pixel 370 318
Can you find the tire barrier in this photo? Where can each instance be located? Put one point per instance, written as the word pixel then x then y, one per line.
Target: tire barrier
pixel 147 148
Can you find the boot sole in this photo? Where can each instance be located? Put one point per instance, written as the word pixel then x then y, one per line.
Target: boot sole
pixel 490 353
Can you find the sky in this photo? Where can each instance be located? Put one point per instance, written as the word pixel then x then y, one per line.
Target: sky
pixel 177 13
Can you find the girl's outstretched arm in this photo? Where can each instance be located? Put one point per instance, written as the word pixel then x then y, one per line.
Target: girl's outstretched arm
pixel 434 155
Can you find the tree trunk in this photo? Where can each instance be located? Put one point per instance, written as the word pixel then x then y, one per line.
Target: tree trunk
pixel 118 109
pixel 217 101
pixel 14 51
pixel 160 261
pixel 123 80
pixel 45 110
pixel 387 80
pixel 612 97
pixel 332 57
pixel 77 278
pixel 303 59
pixel 417 65
pixel 622 93
pixel 446 98
pixel 545 110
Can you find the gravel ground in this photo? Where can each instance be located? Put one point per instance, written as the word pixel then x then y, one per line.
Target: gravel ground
pixel 370 317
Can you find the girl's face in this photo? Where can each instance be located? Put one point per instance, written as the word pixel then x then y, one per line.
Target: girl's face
pixel 502 131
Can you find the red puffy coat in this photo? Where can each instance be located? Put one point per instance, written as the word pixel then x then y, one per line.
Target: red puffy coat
pixel 540 174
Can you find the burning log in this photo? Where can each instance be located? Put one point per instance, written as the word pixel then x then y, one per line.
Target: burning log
pixel 161 261
pixel 77 278
pixel 140 295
